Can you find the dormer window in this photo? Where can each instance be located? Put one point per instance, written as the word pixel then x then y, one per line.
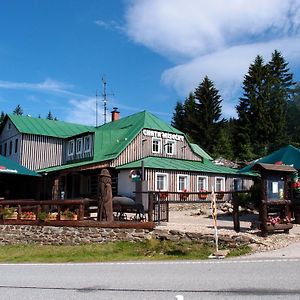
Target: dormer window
pixel 70 148
pixel 87 144
pixel 170 147
pixel 156 145
pixel 79 146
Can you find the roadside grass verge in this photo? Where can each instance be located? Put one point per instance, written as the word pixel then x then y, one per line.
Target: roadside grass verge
pixel 119 251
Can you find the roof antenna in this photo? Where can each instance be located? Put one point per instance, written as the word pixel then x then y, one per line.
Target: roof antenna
pixel 104 99
pixel 97 108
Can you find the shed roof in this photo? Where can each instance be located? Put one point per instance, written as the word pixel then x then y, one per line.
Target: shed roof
pixel 198 150
pixel 206 166
pixel 288 155
pixel 52 128
pixel 273 167
pixel 8 166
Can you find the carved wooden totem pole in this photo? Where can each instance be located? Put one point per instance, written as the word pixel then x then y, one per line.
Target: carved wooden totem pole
pixel 105 208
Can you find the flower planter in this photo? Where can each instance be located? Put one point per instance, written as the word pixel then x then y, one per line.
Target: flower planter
pixel 219 196
pixel 163 196
pixel 30 217
pixel 202 196
pixel 273 227
pixel 68 218
pixel 183 197
pixel 52 217
pixel 13 216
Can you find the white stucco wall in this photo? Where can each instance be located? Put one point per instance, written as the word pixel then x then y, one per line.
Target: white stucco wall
pixel 125 185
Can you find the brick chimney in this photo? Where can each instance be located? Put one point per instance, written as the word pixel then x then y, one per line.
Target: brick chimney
pixel 115 114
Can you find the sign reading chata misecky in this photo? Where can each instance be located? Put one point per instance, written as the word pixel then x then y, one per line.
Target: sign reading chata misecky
pixel 164 135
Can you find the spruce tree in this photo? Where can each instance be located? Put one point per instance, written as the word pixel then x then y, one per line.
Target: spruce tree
pixel 18 110
pixel 190 118
pixel 2 117
pixel 254 123
pixel 280 85
pixel 49 116
pixel 208 122
pixel 293 117
pixel 178 120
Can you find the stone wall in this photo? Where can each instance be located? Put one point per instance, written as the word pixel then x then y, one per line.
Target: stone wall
pixel 50 235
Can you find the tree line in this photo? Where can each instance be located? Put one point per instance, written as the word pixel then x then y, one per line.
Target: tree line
pixel 268 113
pixel 19 111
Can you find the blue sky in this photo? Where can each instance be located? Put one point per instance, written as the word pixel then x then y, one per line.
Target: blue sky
pixel 151 53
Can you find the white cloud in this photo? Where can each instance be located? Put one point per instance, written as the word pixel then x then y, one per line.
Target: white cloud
pixel 47 86
pixel 217 38
pixel 112 25
pixel 227 68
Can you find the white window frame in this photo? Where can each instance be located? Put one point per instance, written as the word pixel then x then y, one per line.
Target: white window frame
pixel 71 147
pixel 89 138
pixel 159 140
pixel 166 181
pixel 205 182
pixel 222 184
pixel 79 151
pixel 170 142
pixel 187 182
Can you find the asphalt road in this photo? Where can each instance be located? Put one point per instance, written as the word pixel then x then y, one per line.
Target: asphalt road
pixel 247 278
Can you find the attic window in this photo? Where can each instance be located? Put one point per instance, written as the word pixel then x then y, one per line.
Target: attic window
pixel 9 126
pixel 71 146
pixel 87 144
pixel 79 146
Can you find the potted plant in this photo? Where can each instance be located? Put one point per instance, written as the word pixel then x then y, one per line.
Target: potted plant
pixel 220 196
pixel 28 215
pixel 163 195
pixel 202 196
pixel 68 215
pixel 42 216
pixel 184 195
pixel 52 216
pixel 8 213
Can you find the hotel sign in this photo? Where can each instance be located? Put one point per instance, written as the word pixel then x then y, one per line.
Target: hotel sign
pixel 164 135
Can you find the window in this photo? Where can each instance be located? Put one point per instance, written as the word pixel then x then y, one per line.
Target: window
pixel 202 183
pixel 5 149
pixel 161 182
pixel 16 145
pixel 70 148
pixel 10 147
pixel 79 146
pixel 182 183
pixel 0 149
pixel 238 184
pixel 87 143
pixel 156 145
pixel 170 147
pixel 219 184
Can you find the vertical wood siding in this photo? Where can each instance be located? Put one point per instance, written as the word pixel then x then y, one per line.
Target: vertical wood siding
pixel 193 186
pixel 40 152
pixel 141 146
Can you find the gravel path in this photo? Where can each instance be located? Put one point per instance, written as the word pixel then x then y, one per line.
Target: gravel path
pixel 189 219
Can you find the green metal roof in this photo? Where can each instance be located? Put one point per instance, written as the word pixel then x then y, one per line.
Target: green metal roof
pixel 288 155
pixel 59 129
pixel 113 137
pixel 7 166
pixel 181 165
pixel 198 150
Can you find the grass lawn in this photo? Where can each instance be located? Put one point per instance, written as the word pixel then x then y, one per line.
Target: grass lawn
pixel 119 251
